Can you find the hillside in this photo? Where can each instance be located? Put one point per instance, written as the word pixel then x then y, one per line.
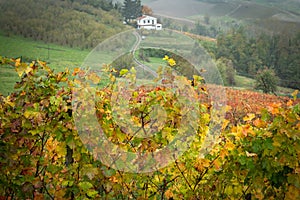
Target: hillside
pixel 268 15
pixel 213 7
pixel 75 23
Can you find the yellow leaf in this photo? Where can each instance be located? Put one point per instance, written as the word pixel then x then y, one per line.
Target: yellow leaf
pixel 61 150
pixel 112 78
pixel 123 72
pixel 292 193
pixel 51 144
pixel 172 62
pixel 223 153
pixel 228 108
pixel 9 102
pixel 17 62
pixel 42 63
pixel 225 124
pixel 274 108
pixel 268 134
pixel 295 93
pixel 166 57
pixel 289 103
pixel 201 164
pixel 229 145
pixel 60 192
pixel 76 70
pixel 276 142
pixel 94 78
pixel 45 67
pixel 21 68
pixel 28 114
pixel 229 190
pixel 249 117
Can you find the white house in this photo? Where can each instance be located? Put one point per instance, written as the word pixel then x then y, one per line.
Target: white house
pixel 148 22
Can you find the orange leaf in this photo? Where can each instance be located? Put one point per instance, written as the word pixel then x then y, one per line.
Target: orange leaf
pixel 217 164
pixel 201 164
pixel 259 123
pixel 223 153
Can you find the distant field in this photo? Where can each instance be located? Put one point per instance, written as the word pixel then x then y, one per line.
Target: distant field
pixel 225 12
pixel 288 5
pixel 58 57
pixel 253 11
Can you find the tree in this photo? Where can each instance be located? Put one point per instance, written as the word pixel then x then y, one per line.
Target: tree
pixel 206 19
pixel 227 71
pixel 266 80
pixel 146 10
pixel 132 9
pixel 200 29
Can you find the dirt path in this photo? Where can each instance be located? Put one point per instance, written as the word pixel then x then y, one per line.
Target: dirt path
pixel 134 48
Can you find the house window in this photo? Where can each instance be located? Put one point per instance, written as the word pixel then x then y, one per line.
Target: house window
pixel 152 21
pixel 148 20
pixel 144 21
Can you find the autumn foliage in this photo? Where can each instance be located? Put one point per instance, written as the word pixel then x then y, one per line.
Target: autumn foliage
pixel 42 156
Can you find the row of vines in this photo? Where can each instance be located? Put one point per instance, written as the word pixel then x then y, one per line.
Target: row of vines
pixel 42 156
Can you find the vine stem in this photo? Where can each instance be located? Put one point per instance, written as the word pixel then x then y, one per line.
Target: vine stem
pixel 181 172
pixel 202 175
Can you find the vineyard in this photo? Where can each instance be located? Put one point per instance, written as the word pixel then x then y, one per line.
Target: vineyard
pixel 44 156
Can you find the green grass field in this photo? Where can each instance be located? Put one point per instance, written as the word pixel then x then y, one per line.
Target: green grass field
pixel 155 63
pixel 57 57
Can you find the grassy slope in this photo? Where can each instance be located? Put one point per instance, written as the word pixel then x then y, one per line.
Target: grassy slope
pixel 56 56
pixel 15 46
pixel 61 22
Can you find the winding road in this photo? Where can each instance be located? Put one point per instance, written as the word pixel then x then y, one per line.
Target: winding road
pixel 133 50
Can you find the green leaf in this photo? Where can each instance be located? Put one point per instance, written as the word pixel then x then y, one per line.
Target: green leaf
pixel 89 171
pixel 108 172
pixel 92 193
pixel 85 186
pixel 242 160
pixel 265 115
pixel 34 132
pixel 65 183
